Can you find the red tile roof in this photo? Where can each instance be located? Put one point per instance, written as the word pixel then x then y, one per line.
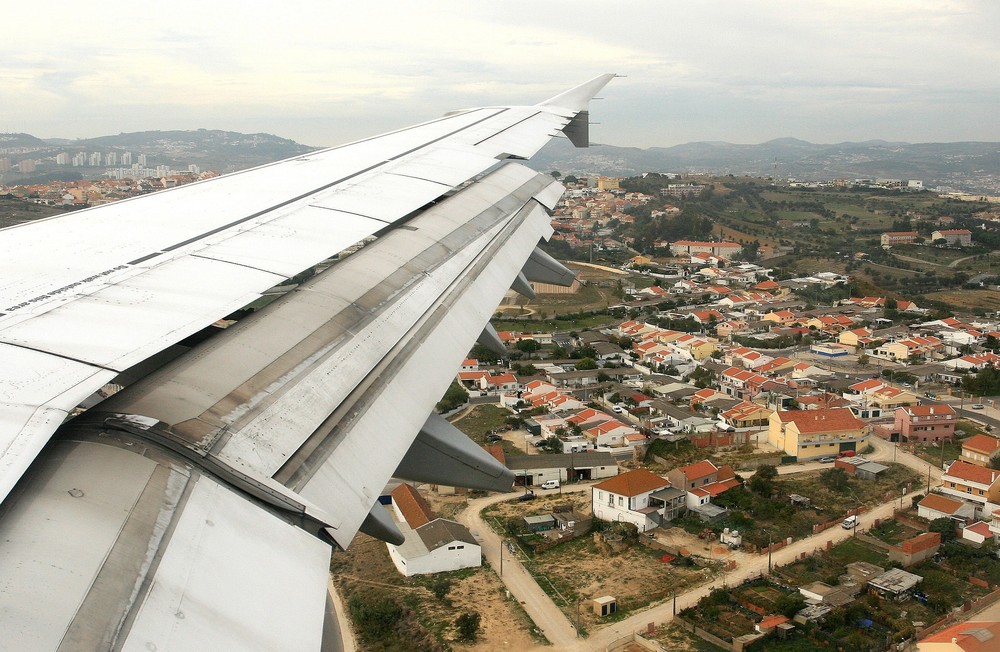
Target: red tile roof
pixel 971 637
pixel 633 483
pixel 972 473
pixel 412 506
pixel 833 419
pixel 940 503
pixel 698 470
pixel 982 444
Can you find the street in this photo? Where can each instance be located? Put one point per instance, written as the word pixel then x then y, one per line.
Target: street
pixel 560 631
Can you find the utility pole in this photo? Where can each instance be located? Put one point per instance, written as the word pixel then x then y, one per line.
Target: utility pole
pixel 501 557
pixel 928 477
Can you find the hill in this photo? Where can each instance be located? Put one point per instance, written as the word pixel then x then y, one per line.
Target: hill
pixel 967 166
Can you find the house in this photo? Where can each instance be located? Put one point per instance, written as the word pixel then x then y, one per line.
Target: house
pixel 980 449
pixel 856 337
pixel 894 584
pixel 810 434
pixel 747 416
pixel 925 423
pixel 936 505
pixel 533 470
pixel 431 544
pixel 915 550
pixel 702 481
pixel 767 625
pixel 891 238
pixel 963 637
pixel 890 398
pixel 971 482
pixel 978 532
pixel 628 498
pixel 915 347
pixel 953 237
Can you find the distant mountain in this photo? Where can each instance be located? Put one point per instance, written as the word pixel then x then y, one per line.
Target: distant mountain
pixel 20 140
pixel 970 166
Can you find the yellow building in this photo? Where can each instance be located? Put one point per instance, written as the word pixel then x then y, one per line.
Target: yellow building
pixel 809 434
pixel 608 183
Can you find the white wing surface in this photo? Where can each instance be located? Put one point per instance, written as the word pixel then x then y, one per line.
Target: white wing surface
pixel 196 508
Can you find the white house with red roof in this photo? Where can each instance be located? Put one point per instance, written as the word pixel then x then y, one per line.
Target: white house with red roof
pixel 499 384
pixel 742 383
pixel 702 481
pixel 639 497
pixel 431 544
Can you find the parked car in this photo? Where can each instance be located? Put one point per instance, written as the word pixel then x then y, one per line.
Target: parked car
pixel 527 495
pixel 978 406
pixel 493 438
pixel 827 460
pixel 930 394
pixel 846 454
pixel 550 484
pixel 618 409
pixel 849 522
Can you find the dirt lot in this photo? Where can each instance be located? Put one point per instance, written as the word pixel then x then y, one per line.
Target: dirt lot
pixel 366 568
pixel 590 567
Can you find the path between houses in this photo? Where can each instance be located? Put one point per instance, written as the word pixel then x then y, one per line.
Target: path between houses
pixel 558 629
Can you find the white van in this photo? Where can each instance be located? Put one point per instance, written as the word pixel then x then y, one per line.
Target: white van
pixel 849 522
pixel 550 484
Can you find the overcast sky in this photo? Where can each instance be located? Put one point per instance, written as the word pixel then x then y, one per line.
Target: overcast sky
pixel 324 73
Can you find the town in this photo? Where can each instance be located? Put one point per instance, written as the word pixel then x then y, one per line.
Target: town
pixel 710 450
pixel 755 428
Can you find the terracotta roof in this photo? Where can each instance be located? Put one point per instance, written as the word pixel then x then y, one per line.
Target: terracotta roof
pixel 972 473
pixel 725 473
pixel 412 506
pixel 982 528
pixel 940 503
pixel 822 420
pixel 717 488
pixel 698 470
pixel 971 637
pixel 927 410
pixel 633 483
pixel 982 444
pixel 772 621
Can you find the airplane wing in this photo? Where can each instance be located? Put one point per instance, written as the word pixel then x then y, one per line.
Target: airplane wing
pixel 180 512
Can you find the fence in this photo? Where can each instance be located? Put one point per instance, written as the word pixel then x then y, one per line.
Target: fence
pixel 702 634
pixel 952 617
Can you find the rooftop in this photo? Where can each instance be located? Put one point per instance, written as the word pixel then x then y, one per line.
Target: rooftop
pixel 633 483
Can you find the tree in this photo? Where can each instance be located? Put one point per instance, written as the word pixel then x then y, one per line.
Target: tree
pixel 455 396
pixel 863 360
pixel 468 626
pixel 528 346
pixel 767 471
pixel 835 479
pixel 790 604
pixel 374 614
pixel 586 363
pixel 555 174
pixel 944 526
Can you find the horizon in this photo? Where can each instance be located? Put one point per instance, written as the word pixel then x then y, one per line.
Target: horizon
pixel 737 72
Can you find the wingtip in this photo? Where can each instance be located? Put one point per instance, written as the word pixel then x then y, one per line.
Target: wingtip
pixel 578 97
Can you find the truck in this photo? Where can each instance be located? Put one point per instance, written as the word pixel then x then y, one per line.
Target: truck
pixel 850 522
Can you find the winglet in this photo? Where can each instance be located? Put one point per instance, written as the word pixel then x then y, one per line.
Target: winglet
pixel 577 98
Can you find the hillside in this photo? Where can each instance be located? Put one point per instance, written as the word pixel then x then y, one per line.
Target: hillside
pixel 969 166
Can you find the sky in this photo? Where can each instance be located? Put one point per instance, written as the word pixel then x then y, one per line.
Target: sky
pixel 326 73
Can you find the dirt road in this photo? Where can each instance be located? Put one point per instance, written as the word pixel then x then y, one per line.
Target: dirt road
pixel 522 586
